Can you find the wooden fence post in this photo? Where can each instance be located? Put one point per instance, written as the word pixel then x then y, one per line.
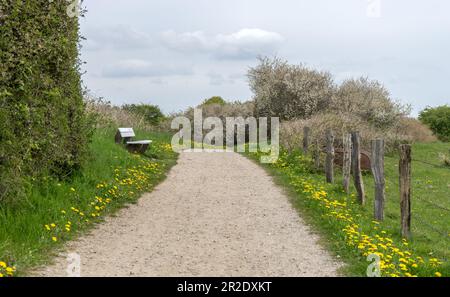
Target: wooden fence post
pixel 306 133
pixel 347 161
pixel 378 175
pixel 356 161
pixel 317 155
pixel 405 189
pixel 329 170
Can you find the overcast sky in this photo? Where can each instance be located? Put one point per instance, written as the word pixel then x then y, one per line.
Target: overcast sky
pixel 175 53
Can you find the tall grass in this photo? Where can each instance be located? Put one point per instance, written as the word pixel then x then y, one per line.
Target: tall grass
pixel 430 212
pixel 24 239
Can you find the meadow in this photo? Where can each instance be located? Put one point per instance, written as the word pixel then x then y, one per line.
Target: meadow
pixel 56 210
pixel 349 230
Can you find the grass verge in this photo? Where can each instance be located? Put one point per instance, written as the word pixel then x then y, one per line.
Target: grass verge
pixel 58 211
pixel 348 229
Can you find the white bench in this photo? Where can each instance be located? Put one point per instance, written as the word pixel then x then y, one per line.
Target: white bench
pixel 125 136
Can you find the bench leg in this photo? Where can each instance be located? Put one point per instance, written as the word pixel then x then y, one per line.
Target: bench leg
pixel 137 148
pixel 144 147
pixel 132 148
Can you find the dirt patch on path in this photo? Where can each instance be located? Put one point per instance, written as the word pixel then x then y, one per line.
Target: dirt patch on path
pixel 217 214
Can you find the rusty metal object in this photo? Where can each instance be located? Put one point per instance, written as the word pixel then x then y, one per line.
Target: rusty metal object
pixel 365 159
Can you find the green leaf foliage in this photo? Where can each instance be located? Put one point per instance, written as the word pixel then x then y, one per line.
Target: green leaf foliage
pixel 438 119
pixel 43 127
pixel 214 100
pixel 152 114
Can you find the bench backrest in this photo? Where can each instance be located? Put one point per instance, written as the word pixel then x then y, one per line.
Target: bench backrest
pixel 124 134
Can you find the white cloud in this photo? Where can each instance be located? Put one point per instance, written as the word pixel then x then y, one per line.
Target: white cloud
pixel 244 44
pixel 120 37
pixel 158 81
pixel 141 68
pixel 410 33
pixel 188 41
pixel 217 79
pixel 248 43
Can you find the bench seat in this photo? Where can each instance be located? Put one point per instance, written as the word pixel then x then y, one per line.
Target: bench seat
pixel 140 142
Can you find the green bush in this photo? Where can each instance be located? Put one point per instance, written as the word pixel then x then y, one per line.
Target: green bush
pixel 438 119
pixel 214 100
pixel 152 114
pixel 43 127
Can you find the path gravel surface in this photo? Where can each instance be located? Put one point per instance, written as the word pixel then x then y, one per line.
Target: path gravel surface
pixel 217 214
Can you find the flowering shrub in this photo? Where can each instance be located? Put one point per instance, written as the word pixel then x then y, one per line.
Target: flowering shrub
pixel 289 91
pixel 370 101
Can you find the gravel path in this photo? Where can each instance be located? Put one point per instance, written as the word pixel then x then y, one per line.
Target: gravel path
pixel 217 214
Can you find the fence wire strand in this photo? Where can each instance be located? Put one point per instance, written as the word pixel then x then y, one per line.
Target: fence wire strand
pixel 432 204
pixel 445 234
pixel 431 164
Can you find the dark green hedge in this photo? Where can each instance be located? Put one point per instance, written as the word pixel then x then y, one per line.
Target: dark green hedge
pixel 43 128
pixel 438 119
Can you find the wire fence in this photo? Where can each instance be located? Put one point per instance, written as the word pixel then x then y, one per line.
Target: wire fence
pixel 355 160
pixel 433 204
pixel 443 233
pixel 440 166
